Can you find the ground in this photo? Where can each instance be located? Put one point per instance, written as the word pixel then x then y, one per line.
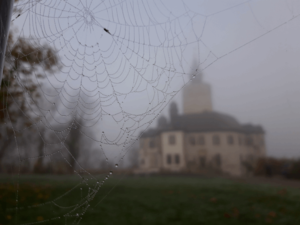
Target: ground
pixel 154 200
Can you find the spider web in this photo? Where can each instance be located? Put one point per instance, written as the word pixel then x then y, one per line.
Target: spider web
pixel 121 63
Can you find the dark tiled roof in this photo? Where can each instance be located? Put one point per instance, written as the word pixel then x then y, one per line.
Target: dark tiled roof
pixel 250 129
pixel 205 122
pixel 150 132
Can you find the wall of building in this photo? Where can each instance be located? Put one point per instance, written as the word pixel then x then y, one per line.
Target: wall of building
pixel 173 150
pixel 231 152
pixel 149 155
pixel 223 156
pixel 196 152
pixel 198 156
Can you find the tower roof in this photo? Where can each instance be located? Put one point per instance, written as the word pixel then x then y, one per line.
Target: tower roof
pixel 196 73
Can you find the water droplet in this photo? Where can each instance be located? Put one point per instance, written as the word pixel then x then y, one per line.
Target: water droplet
pixel 77 214
pixel 110 172
pixel 116 165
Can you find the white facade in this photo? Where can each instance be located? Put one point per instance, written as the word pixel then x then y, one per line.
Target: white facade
pixel 201 140
pixel 176 151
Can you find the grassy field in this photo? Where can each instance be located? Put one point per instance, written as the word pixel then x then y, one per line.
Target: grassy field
pixel 148 200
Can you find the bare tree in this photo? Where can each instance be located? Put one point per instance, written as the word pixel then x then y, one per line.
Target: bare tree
pixel 22 61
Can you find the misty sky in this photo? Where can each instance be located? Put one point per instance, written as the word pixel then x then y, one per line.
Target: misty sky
pixel 259 83
pixel 248 51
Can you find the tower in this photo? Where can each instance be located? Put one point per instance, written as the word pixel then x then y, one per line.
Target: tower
pixel 197 96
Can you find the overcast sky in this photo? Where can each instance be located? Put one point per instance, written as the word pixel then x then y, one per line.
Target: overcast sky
pixel 249 52
pixel 258 83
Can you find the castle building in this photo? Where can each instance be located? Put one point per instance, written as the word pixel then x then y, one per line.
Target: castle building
pixel 201 139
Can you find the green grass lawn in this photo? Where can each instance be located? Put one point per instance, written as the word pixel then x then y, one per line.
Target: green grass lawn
pixel 147 200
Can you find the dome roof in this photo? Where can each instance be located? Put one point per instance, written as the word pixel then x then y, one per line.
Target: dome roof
pixel 206 122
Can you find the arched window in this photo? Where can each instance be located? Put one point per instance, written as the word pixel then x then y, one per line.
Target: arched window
pixel 230 140
pixel 192 140
pixel 202 160
pixel 240 141
pixel 249 141
pixel 169 159
pixel 201 140
pixel 152 143
pixel 177 159
pixel 218 160
pixel 216 140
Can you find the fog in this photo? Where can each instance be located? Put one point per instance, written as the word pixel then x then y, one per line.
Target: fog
pixel 248 52
pixel 259 82
pixel 86 83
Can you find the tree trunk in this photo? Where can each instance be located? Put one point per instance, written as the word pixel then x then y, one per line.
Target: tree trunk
pixel 6 7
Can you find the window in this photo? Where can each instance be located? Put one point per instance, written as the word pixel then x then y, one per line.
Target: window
pixel 152 143
pixel 249 141
pixel 177 159
pixel 201 140
pixel 230 140
pixel 202 160
pixel 172 140
pixel 169 159
pixel 218 160
pixel 240 141
pixel 216 140
pixel 192 141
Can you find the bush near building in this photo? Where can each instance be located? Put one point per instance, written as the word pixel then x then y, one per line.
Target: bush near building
pixel 287 168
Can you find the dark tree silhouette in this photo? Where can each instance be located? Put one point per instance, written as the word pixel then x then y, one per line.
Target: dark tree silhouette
pixel 24 62
pixel 74 144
